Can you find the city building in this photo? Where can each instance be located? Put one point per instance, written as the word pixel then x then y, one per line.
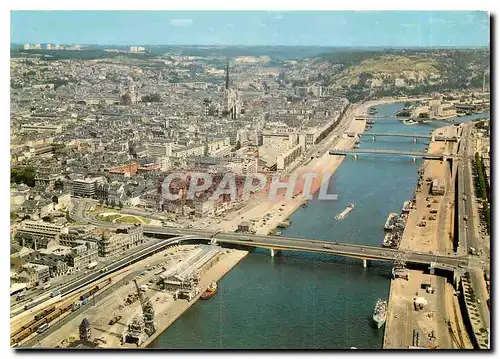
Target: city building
pixel 114 243
pixel 159 150
pixel 204 209
pixel 86 187
pixel 35 274
pixel 287 158
pixel 82 255
pixel 39 234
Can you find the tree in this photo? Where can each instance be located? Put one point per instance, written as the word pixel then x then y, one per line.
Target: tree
pixel 156 97
pixel 486 215
pixel 120 204
pixel 24 175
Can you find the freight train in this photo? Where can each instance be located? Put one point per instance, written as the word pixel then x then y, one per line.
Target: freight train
pixel 44 317
pixel 94 290
pixel 48 315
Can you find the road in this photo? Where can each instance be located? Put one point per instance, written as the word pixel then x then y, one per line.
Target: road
pixel 468 228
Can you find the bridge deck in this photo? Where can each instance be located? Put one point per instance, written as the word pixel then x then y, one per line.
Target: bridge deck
pixel 409 135
pixel 413 135
pixel 387 152
pixel 443 261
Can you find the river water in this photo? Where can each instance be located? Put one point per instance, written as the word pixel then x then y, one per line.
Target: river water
pixel 314 301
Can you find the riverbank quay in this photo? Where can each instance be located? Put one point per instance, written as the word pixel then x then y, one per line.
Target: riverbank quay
pixel 429 228
pixel 122 304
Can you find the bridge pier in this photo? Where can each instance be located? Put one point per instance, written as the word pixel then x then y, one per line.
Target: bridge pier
pixel 431 268
pixel 365 263
pixel 274 252
pixel 456 280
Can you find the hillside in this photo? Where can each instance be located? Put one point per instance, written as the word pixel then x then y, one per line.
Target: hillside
pixel 387 72
pixel 386 69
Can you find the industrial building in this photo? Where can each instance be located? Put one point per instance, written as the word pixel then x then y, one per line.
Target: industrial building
pixel 437 187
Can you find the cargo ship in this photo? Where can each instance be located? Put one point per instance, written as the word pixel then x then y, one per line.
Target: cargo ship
pixel 210 292
pixel 345 212
pixel 380 313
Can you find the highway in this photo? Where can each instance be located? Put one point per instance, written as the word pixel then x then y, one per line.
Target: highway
pixel 467 232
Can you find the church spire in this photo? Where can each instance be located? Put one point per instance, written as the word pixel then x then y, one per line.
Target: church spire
pixel 227 75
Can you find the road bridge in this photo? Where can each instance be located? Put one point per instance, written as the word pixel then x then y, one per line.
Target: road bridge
pixel 368 117
pixel 358 151
pixel 274 243
pixel 389 134
pixel 277 243
pixel 415 136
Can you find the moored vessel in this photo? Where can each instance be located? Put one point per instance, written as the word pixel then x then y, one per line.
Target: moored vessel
pixel 380 313
pixel 389 223
pixel 210 292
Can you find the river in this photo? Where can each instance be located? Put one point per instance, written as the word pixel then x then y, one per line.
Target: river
pixel 314 301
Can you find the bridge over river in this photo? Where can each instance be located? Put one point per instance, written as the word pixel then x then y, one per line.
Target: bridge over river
pixel 277 243
pixel 415 136
pixel 414 154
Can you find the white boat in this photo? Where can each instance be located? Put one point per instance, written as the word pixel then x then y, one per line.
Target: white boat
pixel 345 212
pixel 380 313
pixel 410 122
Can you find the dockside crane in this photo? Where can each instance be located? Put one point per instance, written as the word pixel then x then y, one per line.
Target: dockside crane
pixel 148 311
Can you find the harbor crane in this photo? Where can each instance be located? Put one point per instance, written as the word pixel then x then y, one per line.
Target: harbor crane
pixel 148 311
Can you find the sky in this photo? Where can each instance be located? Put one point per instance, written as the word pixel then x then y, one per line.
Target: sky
pixel 299 28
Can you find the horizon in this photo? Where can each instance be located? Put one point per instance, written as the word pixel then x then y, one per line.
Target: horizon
pixel 341 29
pixel 246 46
